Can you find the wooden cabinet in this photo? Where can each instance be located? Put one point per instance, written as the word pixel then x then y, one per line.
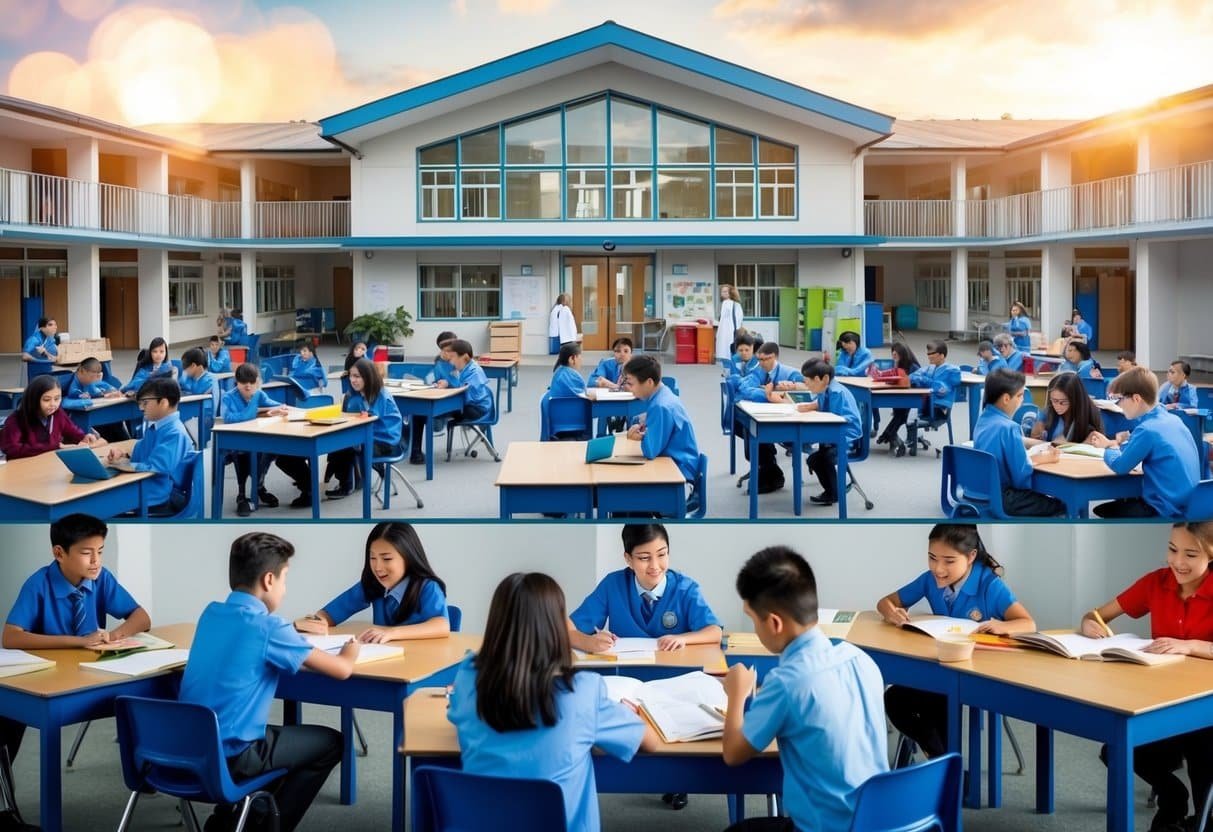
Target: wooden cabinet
pixel 505 337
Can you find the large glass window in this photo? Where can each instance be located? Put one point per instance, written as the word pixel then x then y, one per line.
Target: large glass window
pixel 587 194
pixel 532 195
pixel 585 133
pixel 683 194
pixel 467 291
pixel 682 141
pixel 230 291
pixel 933 286
pixel 483 148
pixel 184 291
pixel 633 193
pixel 535 141
pixel 631 133
pixel 438 194
pixel 735 192
pixel 275 289
pixel 758 284
pixel 480 194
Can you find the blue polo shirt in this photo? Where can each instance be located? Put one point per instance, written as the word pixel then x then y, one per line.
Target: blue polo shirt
pixel 1184 395
pixel 839 400
pixel 566 382
pixel 751 389
pixel 668 432
pixel 942 381
pixel 998 434
pixel 238 653
pixel 39 340
pixel 445 371
pixel 219 362
pixel 239 333
pixel 1170 464
pixel 477 383
pixel 607 368
pixel 431 603
pixel 308 373
pixel 980 597
pixel 616 604
pixel 825 704
pixel 853 364
pixel 144 372
pixel 163 449
pixel 1084 329
pixel 586 719
pixel 390 425
pixel 44 604
pixel 985 367
pixel 235 409
pixel 1020 328
pixel 1083 368
pixel 1015 361
pixel 743 368
pixel 204 383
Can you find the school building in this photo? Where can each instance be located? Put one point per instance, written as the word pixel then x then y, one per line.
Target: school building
pixel 635 173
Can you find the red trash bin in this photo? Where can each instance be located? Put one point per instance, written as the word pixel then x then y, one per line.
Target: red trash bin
pixel 685 347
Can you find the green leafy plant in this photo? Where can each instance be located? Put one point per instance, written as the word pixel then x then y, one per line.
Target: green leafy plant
pixel 382 327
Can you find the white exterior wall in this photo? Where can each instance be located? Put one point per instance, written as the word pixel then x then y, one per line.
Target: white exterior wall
pixel 1159 303
pixel 1195 288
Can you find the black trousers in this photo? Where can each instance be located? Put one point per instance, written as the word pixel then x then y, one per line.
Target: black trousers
pixel 824 463
pixel 243 461
pixel 308 752
pixel 470 413
pixel 298 469
pixel 11 734
pixel 920 715
pixel 1024 502
pixel 901 415
pixel 1126 507
pixel 763 825
pixel 1156 763
pixel 343 462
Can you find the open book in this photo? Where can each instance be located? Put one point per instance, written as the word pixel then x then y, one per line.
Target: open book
pixel 137 664
pixel 1081 449
pixel 18 662
pixel 366 653
pixel 623 651
pixel 682 709
pixel 835 623
pixel 941 626
pixel 132 644
pixel 1119 648
pixel 605 394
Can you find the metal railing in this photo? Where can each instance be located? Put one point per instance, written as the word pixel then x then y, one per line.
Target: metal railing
pixel 40 199
pixel 301 219
pixel 909 217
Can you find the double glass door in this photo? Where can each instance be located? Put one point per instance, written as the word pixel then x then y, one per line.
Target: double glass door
pixel 608 296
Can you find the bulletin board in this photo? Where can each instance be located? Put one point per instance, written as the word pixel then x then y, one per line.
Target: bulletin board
pixel 689 299
pixel 523 297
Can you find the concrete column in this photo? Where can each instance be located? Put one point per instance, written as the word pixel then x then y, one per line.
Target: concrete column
pixel 857 169
pixel 151 178
pixel 248 199
pixel 84 291
pixel 960 190
pixel 1157 303
pixel 958 315
pixel 860 290
pixel 84 201
pixel 153 294
pixel 1056 288
pixel 1157 196
pixel 1056 207
pixel 248 289
pixel 1000 304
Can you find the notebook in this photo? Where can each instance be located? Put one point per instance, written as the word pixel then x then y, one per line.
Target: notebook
pixel 88 467
pixel 137 664
pixel 18 662
pixel 683 708
pixel 602 449
pixel 132 644
pixel 605 394
pixel 1119 648
pixel 366 653
pixel 941 626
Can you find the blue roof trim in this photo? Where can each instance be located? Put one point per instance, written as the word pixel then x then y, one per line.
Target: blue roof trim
pixel 606 34
pixel 639 241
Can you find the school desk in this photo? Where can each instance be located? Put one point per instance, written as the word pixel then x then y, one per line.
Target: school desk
pixel 545 477
pixel 226 381
pixel 884 395
pixel 38 489
pixel 430 402
pixel 801 430
pixel 502 366
pixel 666 663
pixel 691 767
pixel 275 435
pixel 627 407
pixel 281 391
pixel 1078 480
pixel 376 686
pixel 974 387
pixel 123 409
pixel 51 699
pixel 657 486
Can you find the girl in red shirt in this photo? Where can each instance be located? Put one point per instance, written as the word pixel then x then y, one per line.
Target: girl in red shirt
pixel 1179 600
pixel 38 425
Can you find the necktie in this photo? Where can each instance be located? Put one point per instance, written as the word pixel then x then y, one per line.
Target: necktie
pixel 649 603
pixel 949 596
pixel 79 627
pixel 390 608
pixel 1175 395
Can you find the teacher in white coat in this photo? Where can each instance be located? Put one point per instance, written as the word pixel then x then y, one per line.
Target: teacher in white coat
pixel 561 324
pixel 731 320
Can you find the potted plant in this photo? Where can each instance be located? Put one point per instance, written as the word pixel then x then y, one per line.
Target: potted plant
pixel 382 328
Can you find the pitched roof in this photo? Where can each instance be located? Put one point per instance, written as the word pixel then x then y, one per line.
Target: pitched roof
pixel 966 134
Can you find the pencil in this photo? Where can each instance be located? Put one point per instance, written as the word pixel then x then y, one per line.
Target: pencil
pixel 1099 620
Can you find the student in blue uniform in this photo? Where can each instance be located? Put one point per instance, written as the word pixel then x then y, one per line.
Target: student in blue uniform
pixel 987 359
pixel 240 404
pixel 356 353
pixel 1069 415
pixel 406 598
pixel 768 383
pixel 218 359
pixel 1175 392
pixel 65 605
pixel 545 722
pixel 43 345
pixel 904 360
pixel 999 435
pixel 1125 360
pixel 1078 328
pixel 477 400
pixel 1078 360
pixel 240 650
pixel 195 378
pixel 150 363
pixel 665 428
pixel 609 371
pixel 1006 347
pixel 943 380
pixel 444 369
pixel 822 702
pixel 235 328
pixel 1160 443
pixel 744 361
pixel 1020 326
pixel 307 369
pixel 366 397
pixel 831 397
pixel 163 449
pixel 88 385
pixel 962 581
pixel 853 358
pixel 566 374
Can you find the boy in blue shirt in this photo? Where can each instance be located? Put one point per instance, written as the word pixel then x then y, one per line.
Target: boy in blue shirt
pixel 307 370
pixel 831 397
pixel 235 330
pixel 1175 392
pixel 163 449
pixel 743 361
pixel 767 383
pixel 824 702
pixel 664 429
pixel 218 359
pixel 444 370
pixel 853 358
pixel 196 379
pixel 1005 346
pixel 987 359
pixel 240 649
pixel 942 379
pixel 43 345
pixel 65 605
pixel 243 402
pixel 1162 444
pixel 609 371
pixel 87 385
pixel 477 400
pixel 998 434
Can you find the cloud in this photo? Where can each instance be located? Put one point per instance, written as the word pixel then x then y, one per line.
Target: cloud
pixel 524 7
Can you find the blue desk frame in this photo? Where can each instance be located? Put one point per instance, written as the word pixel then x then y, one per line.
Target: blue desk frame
pixel 1077 493
pixel 411 406
pixel 571 500
pixel 799 434
pixel 499 371
pixel 667 499
pixel 603 410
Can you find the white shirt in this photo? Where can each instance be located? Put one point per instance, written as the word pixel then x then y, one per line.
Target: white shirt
pixel 561 324
pixel 731 319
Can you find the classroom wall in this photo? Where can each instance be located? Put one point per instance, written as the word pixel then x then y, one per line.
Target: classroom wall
pixel 1058 571
pixel 1193 333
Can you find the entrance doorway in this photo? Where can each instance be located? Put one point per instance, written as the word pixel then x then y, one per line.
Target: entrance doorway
pixel 120 308
pixel 608 296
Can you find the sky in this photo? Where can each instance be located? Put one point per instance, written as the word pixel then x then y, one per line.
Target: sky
pixel 163 61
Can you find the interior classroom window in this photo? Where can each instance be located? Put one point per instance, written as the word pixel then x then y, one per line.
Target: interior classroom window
pixel 979 285
pixel 1023 285
pixel 231 293
pixel 758 284
pixel 275 289
pixel 184 291
pixel 460 291
pixel 933 286
pixel 607 157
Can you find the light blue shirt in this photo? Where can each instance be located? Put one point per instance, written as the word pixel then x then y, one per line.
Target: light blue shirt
pixel 163 449
pixel 1015 360
pixel 390 425
pixel 566 382
pixel 44 603
pixel 238 653
pixel 825 704
pixel 204 383
pixel 219 362
pixel 1184 395
pixel 985 367
pixel 308 373
pixel 235 409
pixel 616 604
pixel 668 432
pixel 96 390
pixel 39 340
pixel 1082 368
pixel 742 368
pixel 980 597
pixel 853 364
pixel 1020 328
pixel 999 435
pixel 607 368
pixel 239 333
pixel 445 371
pixel 1170 465
pixel 1084 329
pixel 477 383
pixel 586 719
pixel 837 399
pixel 431 603
pixel 751 389
pixel 146 372
pixel 942 379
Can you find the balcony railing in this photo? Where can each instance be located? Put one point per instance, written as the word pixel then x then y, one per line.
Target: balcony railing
pixel 302 219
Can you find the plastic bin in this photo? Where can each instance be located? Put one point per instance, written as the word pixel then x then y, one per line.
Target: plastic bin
pixel 239 355
pixel 380 355
pixel 905 317
pixel 815 338
pixel 685 347
pixel 705 344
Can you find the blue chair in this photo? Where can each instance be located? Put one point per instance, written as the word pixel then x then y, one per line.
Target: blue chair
pixel 1096 387
pixel 1200 504
pixel 859 451
pixel 700 489
pixel 482 433
pixel 252 342
pixel 727 365
pixel 33 369
pixel 449 800
pixel 303 398
pixel 672 383
pixel 385 466
pixel 966 368
pixel 917 798
pixel 195 506
pixel 174 748
pixel 1024 410
pixel 969 485
pixel 564 414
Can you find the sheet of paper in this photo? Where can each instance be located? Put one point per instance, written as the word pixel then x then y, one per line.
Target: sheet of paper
pixel 11 658
pixel 634 645
pixel 329 643
pixel 137 664
pixel 940 626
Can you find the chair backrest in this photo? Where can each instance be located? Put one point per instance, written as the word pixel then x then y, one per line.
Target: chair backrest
pixel 565 414
pixel 33 369
pixel 1024 410
pixel 403 369
pixel 917 798
pixel 969 483
pixel 194 508
pixel 449 799
pixel 1200 504
pixel 454 615
pixel 252 343
pixel 701 487
pixel 65 381
pixel 672 383
pixel 174 748
pixel 1204 398
pixel 1096 387
pixel 863 399
pixel 966 368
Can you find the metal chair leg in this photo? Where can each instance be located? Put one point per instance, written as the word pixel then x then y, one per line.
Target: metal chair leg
pixel 80 732
pixel 358 734
pixel 245 806
pixel 396 472
pixel 188 817
pixel 904 753
pixel 129 811
pixel 1006 724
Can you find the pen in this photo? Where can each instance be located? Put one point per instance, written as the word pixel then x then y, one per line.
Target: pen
pixel 1099 620
pixel 713 710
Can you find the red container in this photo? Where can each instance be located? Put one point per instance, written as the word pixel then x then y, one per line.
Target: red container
pixel 685 347
pixel 380 355
pixel 239 355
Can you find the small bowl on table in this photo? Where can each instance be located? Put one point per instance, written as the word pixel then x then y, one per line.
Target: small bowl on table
pixel 955 649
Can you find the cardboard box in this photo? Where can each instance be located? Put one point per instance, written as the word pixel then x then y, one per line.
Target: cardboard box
pixel 73 352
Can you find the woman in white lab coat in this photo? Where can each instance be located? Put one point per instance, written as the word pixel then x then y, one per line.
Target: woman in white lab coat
pixel 731 319
pixel 561 324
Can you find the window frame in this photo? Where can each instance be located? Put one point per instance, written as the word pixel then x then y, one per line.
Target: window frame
pixel 458 291
pixel 190 285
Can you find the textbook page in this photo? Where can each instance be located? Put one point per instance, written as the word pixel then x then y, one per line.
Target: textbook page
pixel 940 626
pixel 18 662
pixel 378 652
pixel 330 643
pixel 633 645
pixel 684 721
pixel 139 641
pixel 1077 449
pixel 619 688
pixel 136 664
pixel 1076 645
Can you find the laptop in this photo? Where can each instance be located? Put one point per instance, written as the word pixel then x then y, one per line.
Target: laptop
pixel 602 449
pixel 88 467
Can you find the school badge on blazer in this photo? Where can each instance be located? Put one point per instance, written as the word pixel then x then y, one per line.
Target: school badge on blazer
pixel 669 619
pixel 975 614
